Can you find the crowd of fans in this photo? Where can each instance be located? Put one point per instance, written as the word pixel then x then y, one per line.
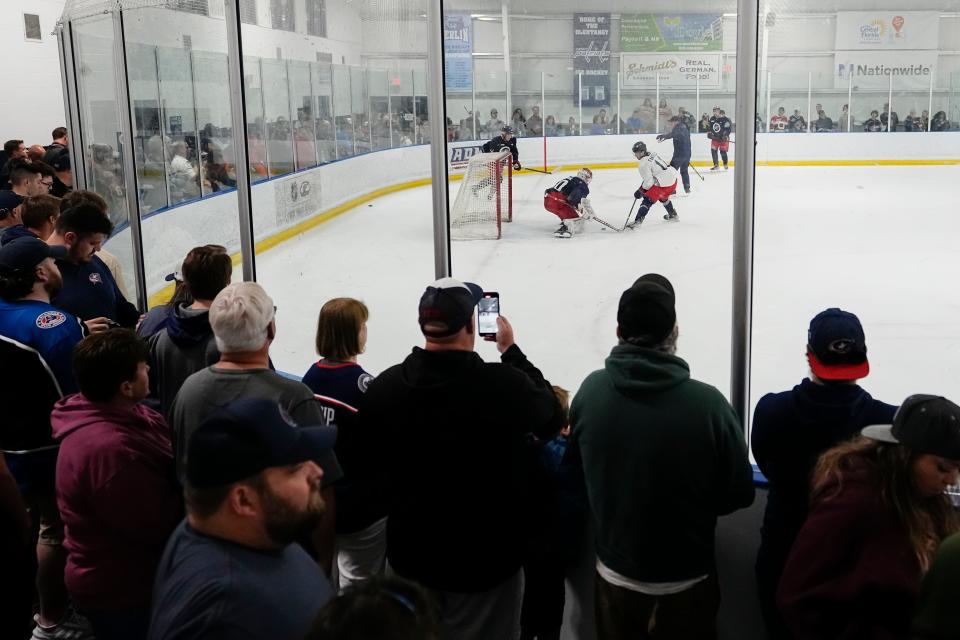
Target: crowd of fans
pixel 159 479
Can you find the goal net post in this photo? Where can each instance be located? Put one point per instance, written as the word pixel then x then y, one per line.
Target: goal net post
pixel 485 199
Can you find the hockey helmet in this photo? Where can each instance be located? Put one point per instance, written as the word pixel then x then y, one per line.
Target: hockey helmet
pixel 639 147
pixel 585 174
pixel 507 129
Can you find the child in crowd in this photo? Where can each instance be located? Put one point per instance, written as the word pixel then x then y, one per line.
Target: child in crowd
pixel 556 528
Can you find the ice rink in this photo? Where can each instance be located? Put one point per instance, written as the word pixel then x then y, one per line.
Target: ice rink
pixel 880 241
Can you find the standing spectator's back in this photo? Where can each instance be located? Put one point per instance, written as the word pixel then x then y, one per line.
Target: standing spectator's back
pixel 793 428
pixel 635 423
pixel 454 428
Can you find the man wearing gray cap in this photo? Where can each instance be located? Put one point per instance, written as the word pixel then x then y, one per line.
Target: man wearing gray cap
pixel 663 456
pixel 449 431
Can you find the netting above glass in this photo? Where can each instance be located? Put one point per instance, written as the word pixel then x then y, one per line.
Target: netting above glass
pixel 369 10
pixel 77 9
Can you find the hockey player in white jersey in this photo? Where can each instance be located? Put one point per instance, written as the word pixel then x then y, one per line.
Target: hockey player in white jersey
pixel 659 182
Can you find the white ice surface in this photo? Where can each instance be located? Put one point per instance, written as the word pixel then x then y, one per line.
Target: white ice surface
pixel 879 241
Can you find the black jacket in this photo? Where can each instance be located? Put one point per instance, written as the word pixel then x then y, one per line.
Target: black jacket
pixel 498 144
pixel 450 429
pixel 680 135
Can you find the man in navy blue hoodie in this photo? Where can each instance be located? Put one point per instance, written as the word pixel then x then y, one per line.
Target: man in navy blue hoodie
pixel 680 161
pixel 89 289
pixel 792 428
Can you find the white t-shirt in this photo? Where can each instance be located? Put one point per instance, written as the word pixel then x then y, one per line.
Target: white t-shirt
pixel 649 588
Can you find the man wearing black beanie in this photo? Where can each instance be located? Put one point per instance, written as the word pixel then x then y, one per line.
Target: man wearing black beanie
pixel 663 456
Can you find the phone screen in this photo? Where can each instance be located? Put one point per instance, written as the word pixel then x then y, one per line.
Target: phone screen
pixel 487 312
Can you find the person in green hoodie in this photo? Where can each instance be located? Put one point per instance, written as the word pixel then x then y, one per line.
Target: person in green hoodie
pixel 663 456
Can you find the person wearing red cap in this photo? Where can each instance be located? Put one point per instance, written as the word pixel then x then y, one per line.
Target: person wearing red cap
pixel 792 428
pixel 879 509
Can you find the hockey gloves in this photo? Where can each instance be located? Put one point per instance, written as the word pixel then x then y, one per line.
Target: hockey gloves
pixel 659 138
pixel 516 166
pixel 639 194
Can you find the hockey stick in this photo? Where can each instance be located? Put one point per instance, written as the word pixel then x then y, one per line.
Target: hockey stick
pixel 606 224
pixel 696 172
pixel 629 215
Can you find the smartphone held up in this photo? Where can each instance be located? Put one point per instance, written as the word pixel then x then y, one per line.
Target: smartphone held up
pixel 488 309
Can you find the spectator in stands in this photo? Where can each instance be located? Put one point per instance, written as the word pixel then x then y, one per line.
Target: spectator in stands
pixel 11 210
pixel 535 122
pixel 894 119
pixel 597 128
pixel 26 179
pixel 704 125
pixel 939 122
pixel 156 318
pixel 845 123
pixel 779 122
pixel 116 488
pixel 912 122
pixel 573 128
pixel 185 344
pixel 665 113
pixel 879 510
pixel 422 424
pixel 518 122
pixel 494 124
pixel 82 196
pixel 35 153
pixel 244 327
pixel 925 120
pixel 89 290
pixel 559 510
pixel 797 123
pixel 38 216
pixel 793 428
pixel 550 126
pixel 687 118
pixel 873 123
pixel 634 123
pixel 58 147
pixel 338 384
pixel 233 569
pixel 37 344
pixel 823 123
pixel 648 114
pixel 385 608
pixel 63 176
pixel 48 176
pixel 13 150
pixel 633 423
pixel 938 617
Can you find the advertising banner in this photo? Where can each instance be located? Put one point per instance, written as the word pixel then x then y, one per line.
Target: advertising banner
pixel 591 58
pixel 460 156
pixel 640 70
pixel 683 32
pixel 458 51
pixel 873 69
pixel 296 198
pixel 866 30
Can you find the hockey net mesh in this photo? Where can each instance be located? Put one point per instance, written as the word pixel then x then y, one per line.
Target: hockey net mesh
pixel 485 198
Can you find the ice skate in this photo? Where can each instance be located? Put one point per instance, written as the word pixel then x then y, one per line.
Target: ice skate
pixel 636 223
pixel 671 217
pixel 715 167
pixel 562 232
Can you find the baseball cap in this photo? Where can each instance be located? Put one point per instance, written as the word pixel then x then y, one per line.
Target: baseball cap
pixel 8 202
pixel 25 253
pixel 836 347
pixel 61 162
pixel 926 424
pixel 450 302
pixel 247 436
pixel 647 310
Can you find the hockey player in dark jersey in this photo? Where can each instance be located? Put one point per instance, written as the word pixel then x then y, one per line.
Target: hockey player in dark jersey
pixel 719 134
pixel 568 201
pixel 506 140
pixel 680 161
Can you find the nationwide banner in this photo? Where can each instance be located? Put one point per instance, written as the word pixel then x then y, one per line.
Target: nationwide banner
pixel 640 70
pixel 458 51
pixel 682 32
pixel 873 69
pixel 887 30
pixel 591 58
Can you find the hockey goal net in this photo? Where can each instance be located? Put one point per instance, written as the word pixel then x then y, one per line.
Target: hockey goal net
pixel 485 198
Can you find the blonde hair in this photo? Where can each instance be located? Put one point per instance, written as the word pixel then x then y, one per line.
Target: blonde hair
pixel 563 397
pixel 927 520
pixel 338 328
pixel 240 316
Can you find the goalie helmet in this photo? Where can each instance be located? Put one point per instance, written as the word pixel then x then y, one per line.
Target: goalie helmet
pixel 585 174
pixel 639 147
pixel 507 129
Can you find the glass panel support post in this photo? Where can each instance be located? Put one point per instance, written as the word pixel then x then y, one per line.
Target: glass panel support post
pixel 413 90
pixel 293 137
pixel 698 98
pixel 390 107
pixel 657 103
pixel 438 139
pixel 580 101
pixel 71 104
pixel 473 96
pixel 930 105
pixel 619 114
pixel 849 102
pixel 745 157
pixel 161 117
pixel 890 105
pixel 543 115
pixel 769 99
pixel 125 109
pixel 809 101
pixel 333 112
pixel 314 114
pixel 241 153
pixel 196 122
pixel 264 130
